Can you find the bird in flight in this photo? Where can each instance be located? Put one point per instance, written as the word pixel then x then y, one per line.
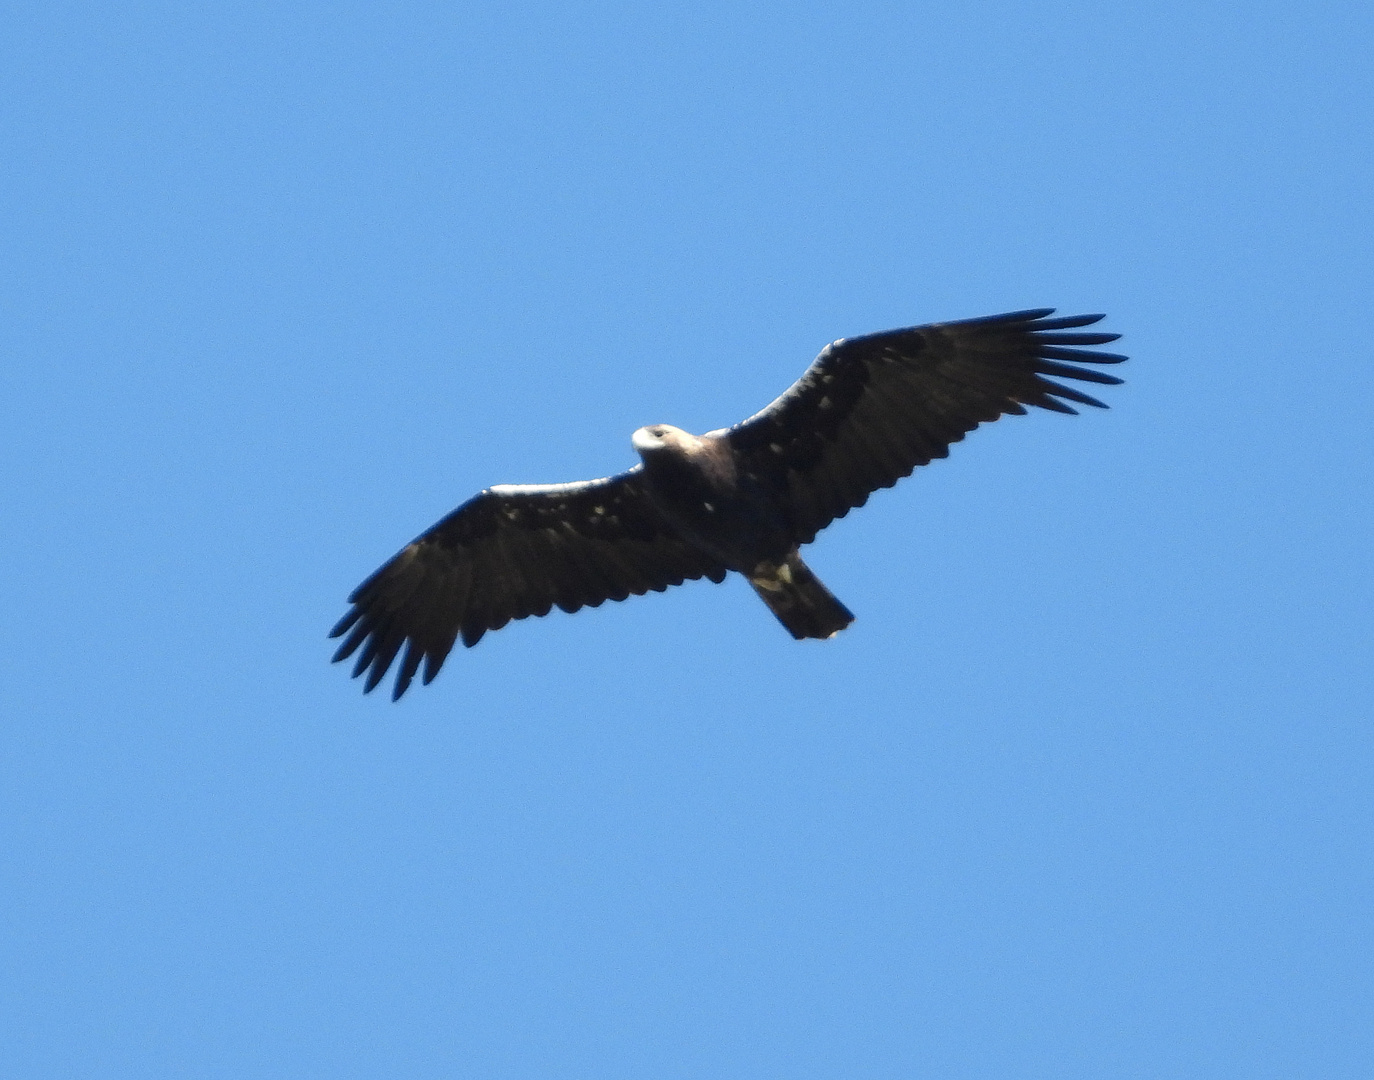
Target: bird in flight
pixel 865 413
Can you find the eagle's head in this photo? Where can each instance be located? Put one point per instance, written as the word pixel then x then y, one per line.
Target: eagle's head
pixel 659 437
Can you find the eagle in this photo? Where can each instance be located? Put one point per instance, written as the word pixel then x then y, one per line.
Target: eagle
pixel 866 413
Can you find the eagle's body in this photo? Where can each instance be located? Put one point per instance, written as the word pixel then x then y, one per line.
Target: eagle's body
pixel 699 485
pixel 867 412
pixel 714 499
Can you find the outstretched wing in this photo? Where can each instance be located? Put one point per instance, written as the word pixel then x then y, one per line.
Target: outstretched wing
pixel 508 553
pixel 870 409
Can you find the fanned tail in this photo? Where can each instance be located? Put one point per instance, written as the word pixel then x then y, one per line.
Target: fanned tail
pixel 796 596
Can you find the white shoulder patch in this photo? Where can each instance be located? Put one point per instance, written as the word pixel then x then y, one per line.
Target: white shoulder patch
pixel 545 489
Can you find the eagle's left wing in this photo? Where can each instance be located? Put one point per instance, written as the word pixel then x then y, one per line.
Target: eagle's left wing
pixel 510 552
pixel 870 409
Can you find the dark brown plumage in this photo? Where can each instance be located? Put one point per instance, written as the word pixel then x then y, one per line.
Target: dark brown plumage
pixel 866 413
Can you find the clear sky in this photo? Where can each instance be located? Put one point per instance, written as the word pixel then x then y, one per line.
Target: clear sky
pixel 1084 792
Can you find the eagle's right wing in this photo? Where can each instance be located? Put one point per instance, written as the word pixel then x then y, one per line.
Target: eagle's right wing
pixel 508 553
pixel 871 409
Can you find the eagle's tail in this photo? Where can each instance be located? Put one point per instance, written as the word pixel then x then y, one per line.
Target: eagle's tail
pixel 796 596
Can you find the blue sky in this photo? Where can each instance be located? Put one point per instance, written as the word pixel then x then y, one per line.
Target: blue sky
pixel 1084 792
